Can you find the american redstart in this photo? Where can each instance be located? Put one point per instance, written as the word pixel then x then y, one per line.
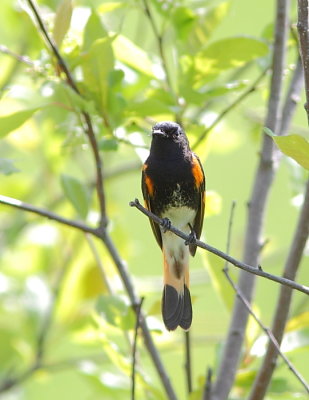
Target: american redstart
pixel 173 185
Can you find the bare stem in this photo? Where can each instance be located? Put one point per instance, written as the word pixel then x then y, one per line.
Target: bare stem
pixel 239 264
pixel 188 364
pixel 231 107
pixel 137 309
pixel 87 119
pixel 303 31
pixel 47 214
pixel 283 304
pixel 268 332
pixel 256 211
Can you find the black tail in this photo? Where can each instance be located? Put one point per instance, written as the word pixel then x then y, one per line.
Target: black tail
pixel 176 308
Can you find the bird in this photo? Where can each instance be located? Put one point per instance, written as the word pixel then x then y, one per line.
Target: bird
pixel 173 187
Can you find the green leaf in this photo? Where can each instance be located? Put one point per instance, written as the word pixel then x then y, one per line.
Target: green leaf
pixel 110 6
pixel 132 55
pixel 96 65
pixel 214 266
pixel 116 312
pixel 7 167
pixel 9 123
pixel 225 54
pixel 62 21
pixel 294 146
pixel 76 193
pixel 108 144
pixel 94 30
pixel 183 20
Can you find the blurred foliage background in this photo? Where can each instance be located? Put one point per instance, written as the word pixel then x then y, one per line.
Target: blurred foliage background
pixel 188 60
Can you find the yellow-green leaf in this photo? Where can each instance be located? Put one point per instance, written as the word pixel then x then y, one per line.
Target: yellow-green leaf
pixel 62 21
pixel 214 266
pixel 132 55
pixel 76 193
pixel 294 146
pixel 9 123
pixel 96 65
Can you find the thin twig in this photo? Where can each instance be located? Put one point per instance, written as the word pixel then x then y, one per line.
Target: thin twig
pixel 188 364
pixel 207 387
pixel 284 302
pixel 87 119
pixel 137 309
pixel 239 264
pixel 267 331
pixel 22 59
pixel 231 107
pixel 47 214
pixel 303 31
pixel 159 38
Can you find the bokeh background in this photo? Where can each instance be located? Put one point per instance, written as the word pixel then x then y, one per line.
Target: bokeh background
pixel 49 276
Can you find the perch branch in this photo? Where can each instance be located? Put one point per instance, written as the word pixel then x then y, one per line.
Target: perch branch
pixel 239 264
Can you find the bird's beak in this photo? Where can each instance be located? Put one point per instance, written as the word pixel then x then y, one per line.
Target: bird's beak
pixel 158 132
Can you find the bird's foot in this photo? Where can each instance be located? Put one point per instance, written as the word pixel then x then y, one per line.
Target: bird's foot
pixel 192 237
pixel 166 224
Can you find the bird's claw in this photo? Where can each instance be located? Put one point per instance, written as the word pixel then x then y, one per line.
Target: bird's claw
pixel 192 237
pixel 166 224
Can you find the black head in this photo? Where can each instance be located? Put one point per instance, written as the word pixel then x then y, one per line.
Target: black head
pixel 170 131
pixel 169 141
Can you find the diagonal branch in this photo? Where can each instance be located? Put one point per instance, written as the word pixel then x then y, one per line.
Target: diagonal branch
pixel 239 264
pixel 272 339
pixel 268 332
pixel 231 107
pixel 88 129
pixel 47 214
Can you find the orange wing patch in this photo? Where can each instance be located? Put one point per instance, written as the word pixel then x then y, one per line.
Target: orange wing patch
pixel 148 181
pixel 149 184
pixel 197 172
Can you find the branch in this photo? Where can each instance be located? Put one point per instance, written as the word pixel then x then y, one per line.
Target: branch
pixel 270 335
pixel 188 364
pixel 22 59
pixel 256 211
pixel 100 232
pixel 284 301
pixel 239 264
pixel 231 107
pixel 207 387
pixel 137 309
pixel 47 214
pixel 159 38
pixel 267 331
pixel 88 129
pixel 303 31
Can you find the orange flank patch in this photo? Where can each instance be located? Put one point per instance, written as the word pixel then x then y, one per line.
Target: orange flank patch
pixel 197 172
pixel 149 184
pixel 148 181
